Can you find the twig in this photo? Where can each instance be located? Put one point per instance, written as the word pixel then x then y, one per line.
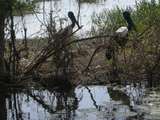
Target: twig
pixel 91 59
pixel 45 53
pixel 89 38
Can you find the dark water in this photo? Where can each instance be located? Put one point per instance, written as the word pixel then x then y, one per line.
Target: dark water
pixel 81 103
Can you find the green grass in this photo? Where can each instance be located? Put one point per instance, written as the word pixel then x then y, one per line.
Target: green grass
pixel 107 20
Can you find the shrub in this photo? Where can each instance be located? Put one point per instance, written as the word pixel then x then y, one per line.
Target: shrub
pixel 141 54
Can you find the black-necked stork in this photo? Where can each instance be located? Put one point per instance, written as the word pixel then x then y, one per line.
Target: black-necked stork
pixel 61 39
pixel 73 19
pixel 122 32
pixel 69 29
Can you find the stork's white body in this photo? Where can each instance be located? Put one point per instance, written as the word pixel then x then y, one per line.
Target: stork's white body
pixel 122 31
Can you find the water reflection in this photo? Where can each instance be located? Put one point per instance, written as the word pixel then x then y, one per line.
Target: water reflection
pixel 3 110
pixel 42 105
pixel 81 103
pixel 94 95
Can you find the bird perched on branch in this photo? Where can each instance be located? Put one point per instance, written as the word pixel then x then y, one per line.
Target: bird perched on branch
pixel 68 30
pixel 62 56
pixel 122 32
pixel 64 33
pixel 73 19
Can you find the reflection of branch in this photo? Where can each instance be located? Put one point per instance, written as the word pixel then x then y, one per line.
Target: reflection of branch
pixel 15 106
pixel 92 98
pixel 41 102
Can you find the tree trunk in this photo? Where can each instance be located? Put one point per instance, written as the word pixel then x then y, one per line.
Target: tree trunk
pixel 2 41
pixel 3 15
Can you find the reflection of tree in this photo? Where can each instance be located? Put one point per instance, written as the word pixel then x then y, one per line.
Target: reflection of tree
pixel 60 104
pixel 10 102
pixel 13 106
pixel 92 98
pixel 67 103
pixel 3 111
pixel 118 96
pixel 41 102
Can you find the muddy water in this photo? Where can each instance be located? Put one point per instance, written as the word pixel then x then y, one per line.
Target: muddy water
pixel 81 103
pixel 35 23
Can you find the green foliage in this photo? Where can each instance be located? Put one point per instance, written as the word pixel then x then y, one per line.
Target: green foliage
pixel 146 14
pixel 20 7
pixel 141 54
pixel 107 21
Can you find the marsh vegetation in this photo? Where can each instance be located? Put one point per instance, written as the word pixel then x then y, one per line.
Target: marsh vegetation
pixel 140 56
pixel 63 69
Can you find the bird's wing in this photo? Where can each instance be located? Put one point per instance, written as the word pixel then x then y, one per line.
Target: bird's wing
pixel 122 29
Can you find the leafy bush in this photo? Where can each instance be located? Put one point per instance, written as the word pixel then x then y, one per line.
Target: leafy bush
pixel 142 53
pixel 23 7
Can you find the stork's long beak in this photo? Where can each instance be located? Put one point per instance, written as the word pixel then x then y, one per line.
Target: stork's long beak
pixel 73 19
pixel 77 23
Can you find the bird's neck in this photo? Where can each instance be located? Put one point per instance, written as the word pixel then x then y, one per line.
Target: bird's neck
pixel 130 24
pixel 73 24
pixel 129 27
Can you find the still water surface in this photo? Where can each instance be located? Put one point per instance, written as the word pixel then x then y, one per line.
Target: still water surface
pixel 81 103
pixel 35 23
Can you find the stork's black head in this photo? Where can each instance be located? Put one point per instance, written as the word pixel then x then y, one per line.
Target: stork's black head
pixel 73 19
pixel 127 17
